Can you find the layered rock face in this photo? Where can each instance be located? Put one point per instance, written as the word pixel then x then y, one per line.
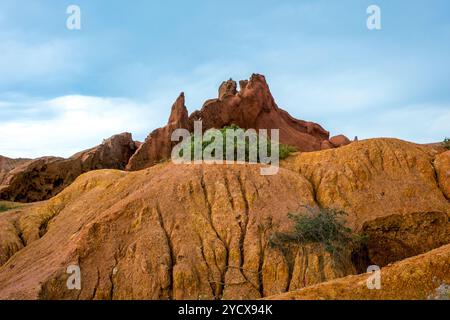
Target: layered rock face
pixel 253 107
pixel 390 191
pixel 43 178
pixel 374 178
pixel 202 231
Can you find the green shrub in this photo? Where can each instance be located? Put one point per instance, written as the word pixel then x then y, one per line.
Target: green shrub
pixel 322 226
pixel 3 208
pixel 284 150
pixel 446 143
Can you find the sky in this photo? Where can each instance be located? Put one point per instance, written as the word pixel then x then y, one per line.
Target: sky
pixel 62 91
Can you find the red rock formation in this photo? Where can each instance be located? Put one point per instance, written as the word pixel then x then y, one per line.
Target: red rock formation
pixel 43 178
pixel 8 164
pixel 253 107
pixel 157 145
pixel 336 142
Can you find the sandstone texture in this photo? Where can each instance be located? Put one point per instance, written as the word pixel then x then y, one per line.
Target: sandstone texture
pixel 442 164
pixel 253 107
pixel 373 178
pixel 43 178
pixel 202 231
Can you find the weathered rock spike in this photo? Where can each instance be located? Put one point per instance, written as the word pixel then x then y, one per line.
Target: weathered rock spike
pixel 179 113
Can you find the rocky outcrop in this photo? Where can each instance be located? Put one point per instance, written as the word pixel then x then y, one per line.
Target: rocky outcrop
pixel 43 178
pixel 388 188
pixel 158 145
pixel 373 178
pixel 202 231
pixel 7 165
pixel 339 141
pixel 251 107
pixel 336 142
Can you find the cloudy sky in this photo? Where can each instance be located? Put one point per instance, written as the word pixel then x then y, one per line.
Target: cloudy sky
pixel 62 90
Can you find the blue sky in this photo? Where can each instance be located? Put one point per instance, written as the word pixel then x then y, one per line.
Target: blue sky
pixel 62 91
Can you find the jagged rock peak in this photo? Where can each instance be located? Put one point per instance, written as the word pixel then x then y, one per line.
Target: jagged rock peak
pixel 179 113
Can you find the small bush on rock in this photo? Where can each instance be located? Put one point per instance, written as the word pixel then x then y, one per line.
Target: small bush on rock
pixel 322 226
pixel 446 143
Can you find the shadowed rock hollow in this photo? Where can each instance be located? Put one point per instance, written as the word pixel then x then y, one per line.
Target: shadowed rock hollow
pixel 202 231
pixel 421 277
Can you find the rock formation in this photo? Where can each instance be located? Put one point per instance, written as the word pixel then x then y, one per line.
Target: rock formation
pixel 336 142
pixel 43 178
pixel 7 165
pixel 158 145
pixel 202 231
pixel 339 141
pixel 252 107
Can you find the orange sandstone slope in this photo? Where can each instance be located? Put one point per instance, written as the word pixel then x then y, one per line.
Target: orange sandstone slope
pixel 202 231
pixel 421 277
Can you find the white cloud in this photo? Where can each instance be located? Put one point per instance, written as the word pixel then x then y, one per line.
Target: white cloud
pixel 70 124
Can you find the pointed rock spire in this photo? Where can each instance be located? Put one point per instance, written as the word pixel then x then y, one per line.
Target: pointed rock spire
pixel 179 114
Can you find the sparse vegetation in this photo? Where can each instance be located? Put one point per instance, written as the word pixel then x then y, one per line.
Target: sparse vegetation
pixel 322 226
pixel 446 143
pixel 5 206
pixel 284 150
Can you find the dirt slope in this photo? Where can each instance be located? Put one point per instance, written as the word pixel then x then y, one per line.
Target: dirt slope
pixel 421 277
pixel 201 231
